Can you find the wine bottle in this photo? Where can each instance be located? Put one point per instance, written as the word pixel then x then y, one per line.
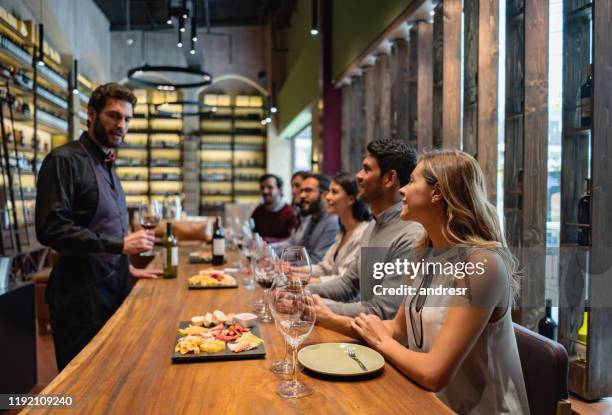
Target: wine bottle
pixel 586 99
pixel 218 249
pixel 547 327
pixel 171 253
pixel 583 332
pixel 584 215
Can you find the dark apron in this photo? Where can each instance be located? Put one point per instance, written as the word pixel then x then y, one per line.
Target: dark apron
pixel 85 289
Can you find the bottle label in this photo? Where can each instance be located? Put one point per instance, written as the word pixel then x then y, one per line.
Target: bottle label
pixel 585 104
pixel 175 256
pixel 218 247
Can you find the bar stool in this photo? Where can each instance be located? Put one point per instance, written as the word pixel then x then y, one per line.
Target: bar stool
pixel 545 367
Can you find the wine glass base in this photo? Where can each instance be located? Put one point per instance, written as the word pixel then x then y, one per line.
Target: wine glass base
pixel 281 367
pixel 266 319
pixel 293 389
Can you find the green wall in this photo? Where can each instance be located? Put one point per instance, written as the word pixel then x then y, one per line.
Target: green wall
pixel 355 25
pixel 301 87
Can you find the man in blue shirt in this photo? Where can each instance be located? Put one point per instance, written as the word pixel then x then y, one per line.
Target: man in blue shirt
pixel 318 229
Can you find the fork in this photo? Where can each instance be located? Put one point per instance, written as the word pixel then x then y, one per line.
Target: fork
pixel 352 355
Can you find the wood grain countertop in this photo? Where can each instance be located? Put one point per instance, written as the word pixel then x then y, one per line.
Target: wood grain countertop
pixel 126 368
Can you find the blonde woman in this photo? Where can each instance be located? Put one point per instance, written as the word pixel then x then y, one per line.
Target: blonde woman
pixel 460 346
pixel 354 217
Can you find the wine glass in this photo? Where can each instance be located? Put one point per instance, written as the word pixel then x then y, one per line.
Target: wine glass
pixel 282 366
pixel 296 263
pixel 150 214
pixel 295 313
pixel 264 269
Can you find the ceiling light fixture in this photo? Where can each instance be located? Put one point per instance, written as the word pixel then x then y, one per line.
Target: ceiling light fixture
pixel 198 108
pixel 314 27
pixel 41 40
pixel 75 77
pixel 201 78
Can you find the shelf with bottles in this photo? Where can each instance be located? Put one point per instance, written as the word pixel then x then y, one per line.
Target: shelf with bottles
pixel 52 102
pixel 134 188
pixel 166 174
pixel 134 141
pixel 129 173
pixel 166 141
pixel 51 122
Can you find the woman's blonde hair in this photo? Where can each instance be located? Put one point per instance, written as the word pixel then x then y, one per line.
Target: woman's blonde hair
pixel 471 220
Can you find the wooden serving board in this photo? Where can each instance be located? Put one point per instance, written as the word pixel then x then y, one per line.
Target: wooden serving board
pixel 258 353
pixel 211 287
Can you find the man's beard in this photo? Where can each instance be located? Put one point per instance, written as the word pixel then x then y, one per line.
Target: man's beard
pixel 315 207
pixel 101 135
pixel 376 193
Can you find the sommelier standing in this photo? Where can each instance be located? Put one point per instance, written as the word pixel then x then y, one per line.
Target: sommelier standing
pixel 81 213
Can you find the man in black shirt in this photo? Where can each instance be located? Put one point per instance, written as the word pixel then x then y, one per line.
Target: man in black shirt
pixel 81 213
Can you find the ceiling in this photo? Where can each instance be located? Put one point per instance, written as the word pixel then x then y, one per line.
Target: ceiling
pixel 152 14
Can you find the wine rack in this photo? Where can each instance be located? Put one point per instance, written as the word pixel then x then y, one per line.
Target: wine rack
pixel 584 259
pixel 232 150
pixel 149 162
pixel 38 116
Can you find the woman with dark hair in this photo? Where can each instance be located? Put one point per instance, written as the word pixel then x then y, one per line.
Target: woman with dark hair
pixel 354 218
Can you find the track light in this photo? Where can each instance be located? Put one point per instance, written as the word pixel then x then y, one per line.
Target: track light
pixel 314 27
pixel 75 77
pixel 41 39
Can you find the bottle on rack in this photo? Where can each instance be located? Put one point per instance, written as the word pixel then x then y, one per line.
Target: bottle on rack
pixel 218 248
pixel 581 345
pixel 586 99
pixel 584 215
pixel 171 253
pixel 547 327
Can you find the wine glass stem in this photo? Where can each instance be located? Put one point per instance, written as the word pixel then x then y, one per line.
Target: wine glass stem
pixel 294 362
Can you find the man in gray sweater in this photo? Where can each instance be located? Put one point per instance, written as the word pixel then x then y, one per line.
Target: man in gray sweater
pixel 385 169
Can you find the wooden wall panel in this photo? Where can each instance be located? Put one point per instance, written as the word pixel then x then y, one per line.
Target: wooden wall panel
pixel 400 90
pixel 345 146
pixel 424 53
pixel 357 127
pixel 488 100
pixel 513 137
pixel 369 98
pixel 438 75
pixel 451 68
pixel 600 289
pixel 470 77
pixel 535 161
pixel 382 93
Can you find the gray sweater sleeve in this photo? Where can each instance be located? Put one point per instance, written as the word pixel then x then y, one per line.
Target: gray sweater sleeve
pixel 344 288
pixel 325 241
pixel 384 307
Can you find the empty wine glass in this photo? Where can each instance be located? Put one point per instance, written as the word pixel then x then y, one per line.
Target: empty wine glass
pixel 150 214
pixel 282 366
pixel 296 264
pixel 295 313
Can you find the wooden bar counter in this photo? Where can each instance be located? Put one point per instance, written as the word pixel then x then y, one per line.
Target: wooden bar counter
pixel 126 368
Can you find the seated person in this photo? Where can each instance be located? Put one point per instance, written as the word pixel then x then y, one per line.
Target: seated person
pixel 318 229
pixel 354 218
pixel 296 185
pixel 461 346
pixel 385 169
pixel 274 219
